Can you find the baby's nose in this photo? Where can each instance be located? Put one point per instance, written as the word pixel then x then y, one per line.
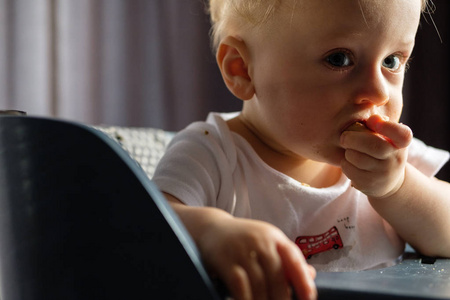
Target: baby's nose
pixel 373 88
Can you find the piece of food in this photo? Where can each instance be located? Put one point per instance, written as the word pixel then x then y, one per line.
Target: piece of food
pixel 358 126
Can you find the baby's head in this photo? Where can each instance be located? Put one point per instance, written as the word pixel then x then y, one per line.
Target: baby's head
pixel 306 69
pixel 231 16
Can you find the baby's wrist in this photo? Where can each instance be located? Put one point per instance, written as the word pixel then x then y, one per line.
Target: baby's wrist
pixel 394 192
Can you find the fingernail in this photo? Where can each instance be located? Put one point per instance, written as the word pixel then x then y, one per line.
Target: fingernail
pixel 313 289
pixel 313 295
pixel 378 126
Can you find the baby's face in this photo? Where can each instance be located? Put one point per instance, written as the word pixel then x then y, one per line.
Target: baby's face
pixel 324 65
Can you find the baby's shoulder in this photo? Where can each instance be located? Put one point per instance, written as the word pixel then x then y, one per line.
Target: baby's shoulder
pixel 427 159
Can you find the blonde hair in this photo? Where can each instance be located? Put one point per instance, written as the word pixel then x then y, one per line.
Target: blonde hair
pixel 238 13
pixel 227 13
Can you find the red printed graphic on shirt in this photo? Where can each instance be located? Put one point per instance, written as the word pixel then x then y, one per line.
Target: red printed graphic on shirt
pixel 311 245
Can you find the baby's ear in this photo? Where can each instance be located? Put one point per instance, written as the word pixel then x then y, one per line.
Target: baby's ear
pixel 233 60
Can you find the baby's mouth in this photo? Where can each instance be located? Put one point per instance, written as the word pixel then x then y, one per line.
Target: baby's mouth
pixel 358 126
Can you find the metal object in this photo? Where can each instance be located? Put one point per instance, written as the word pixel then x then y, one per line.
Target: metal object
pixel 13 112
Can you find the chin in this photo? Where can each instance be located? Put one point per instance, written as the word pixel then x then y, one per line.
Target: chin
pixel 333 157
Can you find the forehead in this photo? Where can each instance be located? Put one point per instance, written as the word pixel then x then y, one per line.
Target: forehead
pixel 351 17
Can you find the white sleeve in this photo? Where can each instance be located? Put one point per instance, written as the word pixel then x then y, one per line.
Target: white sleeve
pixel 195 168
pixel 427 159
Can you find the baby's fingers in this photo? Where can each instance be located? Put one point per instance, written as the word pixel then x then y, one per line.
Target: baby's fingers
pixel 238 283
pixel 256 277
pixel 399 135
pixel 300 275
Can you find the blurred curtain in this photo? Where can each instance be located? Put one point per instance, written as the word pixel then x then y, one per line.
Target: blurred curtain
pixel 25 59
pixel 121 62
pixel 149 63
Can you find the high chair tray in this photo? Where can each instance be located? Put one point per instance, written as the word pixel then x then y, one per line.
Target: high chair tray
pixel 414 278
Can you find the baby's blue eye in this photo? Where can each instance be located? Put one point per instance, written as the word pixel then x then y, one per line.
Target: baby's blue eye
pixel 339 59
pixel 392 62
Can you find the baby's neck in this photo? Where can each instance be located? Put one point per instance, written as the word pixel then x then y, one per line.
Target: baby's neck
pixel 308 172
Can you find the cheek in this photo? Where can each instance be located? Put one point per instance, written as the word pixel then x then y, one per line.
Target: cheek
pixel 394 110
pixel 305 128
pixel 306 111
pixel 284 77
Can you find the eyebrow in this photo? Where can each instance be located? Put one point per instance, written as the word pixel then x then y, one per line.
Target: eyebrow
pixel 342 35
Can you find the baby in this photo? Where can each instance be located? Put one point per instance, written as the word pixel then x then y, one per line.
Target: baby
pixel 316 167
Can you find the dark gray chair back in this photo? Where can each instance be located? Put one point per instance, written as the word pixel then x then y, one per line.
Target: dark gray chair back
pixel 79 219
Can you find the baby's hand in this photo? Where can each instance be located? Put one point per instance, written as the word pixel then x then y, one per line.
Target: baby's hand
pixel 256 260
pixel 375 158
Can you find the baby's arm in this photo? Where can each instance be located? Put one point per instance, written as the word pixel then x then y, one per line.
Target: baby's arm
pixel 418 207
pixel 420 212
pixel 254 259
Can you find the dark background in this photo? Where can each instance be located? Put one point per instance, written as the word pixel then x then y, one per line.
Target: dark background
pixel 427 82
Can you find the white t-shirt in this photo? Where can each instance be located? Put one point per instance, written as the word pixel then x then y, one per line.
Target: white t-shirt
pixel 206 164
